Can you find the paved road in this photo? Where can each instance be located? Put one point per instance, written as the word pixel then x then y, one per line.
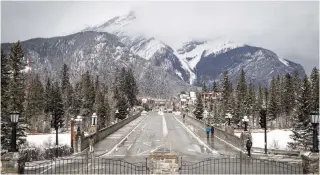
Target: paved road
pixel 161 131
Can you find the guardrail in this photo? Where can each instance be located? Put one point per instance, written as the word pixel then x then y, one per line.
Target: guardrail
pixel 105 132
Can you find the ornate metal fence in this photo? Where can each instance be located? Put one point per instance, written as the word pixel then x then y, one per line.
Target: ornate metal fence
pixel 86 166
pixel 238 165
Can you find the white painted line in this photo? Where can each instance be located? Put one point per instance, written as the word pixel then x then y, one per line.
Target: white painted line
pixel 129 146
pixel 196 137
pixel 234 147
pixel 164 127
pixel 123 138
pixel 151 150
pixel 146 144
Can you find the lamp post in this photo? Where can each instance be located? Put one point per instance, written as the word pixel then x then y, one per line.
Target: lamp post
pixel 229 117
pixel 72 131
pixel 14 116
pixel 314 115
pixel 245 120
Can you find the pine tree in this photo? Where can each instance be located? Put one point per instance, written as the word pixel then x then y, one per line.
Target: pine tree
pixel 242 104
pixel 251 98
pixel 34 101
pixel 122 106
pixel 226 93
pixel 86 95
pixel 215 86
pixel 199 107
pixel 314 77
pixel 259 102
pixel 288 97
pixel 5 119
pixel 204 87
pixel 16 88
pixel 76 100
pixel 302 129
pixel 132 89
pixel 58 109
pixel 272 101
pixel 48 104
pixel 66 90
pixel 100 109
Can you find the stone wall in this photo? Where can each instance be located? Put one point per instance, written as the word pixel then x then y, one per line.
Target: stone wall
pixel 103 133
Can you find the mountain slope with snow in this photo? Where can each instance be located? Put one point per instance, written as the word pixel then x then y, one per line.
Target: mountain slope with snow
pixel 101 54
pixel 151 49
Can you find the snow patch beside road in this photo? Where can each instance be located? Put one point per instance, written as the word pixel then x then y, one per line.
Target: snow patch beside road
pixel 44 140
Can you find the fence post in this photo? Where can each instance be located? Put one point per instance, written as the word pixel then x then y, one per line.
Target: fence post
pixel 147 165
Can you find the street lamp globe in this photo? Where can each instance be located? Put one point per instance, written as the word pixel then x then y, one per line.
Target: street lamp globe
pixel 94 119
pixel 14 116
pixel 117 111
pixel 314 115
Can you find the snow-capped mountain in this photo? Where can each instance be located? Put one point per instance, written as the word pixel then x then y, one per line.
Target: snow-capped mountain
pixel 197 61
pixel 99 53
pixel 148 48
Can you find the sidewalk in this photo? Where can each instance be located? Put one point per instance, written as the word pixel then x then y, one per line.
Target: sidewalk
pixel 226 150
pixel 214 143
pixel 110 142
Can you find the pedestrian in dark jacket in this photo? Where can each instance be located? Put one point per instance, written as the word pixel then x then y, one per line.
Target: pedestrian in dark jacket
pixel 249 145
pixel 212 131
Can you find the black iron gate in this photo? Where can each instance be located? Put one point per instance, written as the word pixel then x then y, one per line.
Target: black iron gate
pixel 238 165
pixel 86 166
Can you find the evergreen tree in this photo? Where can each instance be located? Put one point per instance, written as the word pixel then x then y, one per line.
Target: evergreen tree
pixel 86 95
pixel 76 100
pixel 215 86
pixel 226 93
pixel 314 77
pixel 251 99
pixel 34 101
pixel 66 90
pixel 122 106
pixel 204 87
pixel 199 107
pixel 16 88
pixel 259 102
pixel 272 101
pixel 302 129
pixel 132 89
pixel 288 97
pixel 100 109
pixel 242 104
pixel 5 119
pixel 48 104
pixel 58 109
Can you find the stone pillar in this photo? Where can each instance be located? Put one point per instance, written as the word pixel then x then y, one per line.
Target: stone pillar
pixel 310 163
pixel 12 163
pixel 78 141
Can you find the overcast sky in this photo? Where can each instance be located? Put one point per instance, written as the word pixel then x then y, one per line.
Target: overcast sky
pixel 290 29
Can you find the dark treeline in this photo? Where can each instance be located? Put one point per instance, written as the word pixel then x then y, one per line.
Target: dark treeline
pixel 39 102
pixel 288 98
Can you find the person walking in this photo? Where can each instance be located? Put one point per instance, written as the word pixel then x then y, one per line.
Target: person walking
pixel 208 129
pixel 212 131
pixel 249 145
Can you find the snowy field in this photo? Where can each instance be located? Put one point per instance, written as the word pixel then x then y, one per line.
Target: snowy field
pixel 47 140
pixel 277 139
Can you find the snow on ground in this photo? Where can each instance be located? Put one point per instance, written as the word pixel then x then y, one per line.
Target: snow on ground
pixel 42 140
pixel 277 139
